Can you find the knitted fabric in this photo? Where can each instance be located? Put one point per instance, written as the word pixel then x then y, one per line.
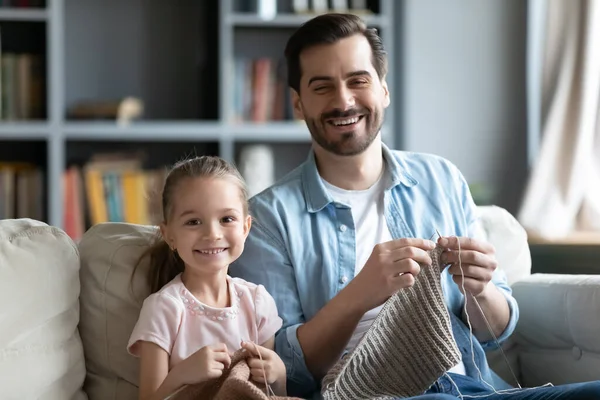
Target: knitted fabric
pixel 234 384
pixel 407 348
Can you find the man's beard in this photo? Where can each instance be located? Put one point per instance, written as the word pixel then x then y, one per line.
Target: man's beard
pixel 349 143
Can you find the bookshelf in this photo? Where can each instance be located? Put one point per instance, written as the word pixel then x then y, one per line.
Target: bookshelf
pixel 183 59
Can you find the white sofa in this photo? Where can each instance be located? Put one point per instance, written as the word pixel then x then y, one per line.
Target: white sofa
pixel 66 311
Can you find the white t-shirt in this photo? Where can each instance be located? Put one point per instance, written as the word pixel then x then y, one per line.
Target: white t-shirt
pixel 371 229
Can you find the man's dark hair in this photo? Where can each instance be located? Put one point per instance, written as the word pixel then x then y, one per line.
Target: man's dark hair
pixel 327 29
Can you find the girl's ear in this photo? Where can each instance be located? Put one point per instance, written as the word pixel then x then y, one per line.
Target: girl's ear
pixel 164 231
pixel 247 225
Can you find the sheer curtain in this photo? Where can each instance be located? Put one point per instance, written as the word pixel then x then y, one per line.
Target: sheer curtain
pixel 563 192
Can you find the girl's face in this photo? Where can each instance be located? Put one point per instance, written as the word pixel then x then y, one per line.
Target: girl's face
pixel 207 225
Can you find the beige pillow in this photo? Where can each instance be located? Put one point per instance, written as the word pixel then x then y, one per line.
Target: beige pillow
pixel 41 356
pixel 110 306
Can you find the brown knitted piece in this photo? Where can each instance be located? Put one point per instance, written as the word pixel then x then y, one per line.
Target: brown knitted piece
pixel 407 348
pixel 234 384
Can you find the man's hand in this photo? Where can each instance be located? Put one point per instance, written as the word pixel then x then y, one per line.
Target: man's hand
pixel 477 259
pixel 478 263
pixel 392 266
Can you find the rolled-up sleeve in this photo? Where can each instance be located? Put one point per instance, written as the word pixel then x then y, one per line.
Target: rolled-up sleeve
pixel 265 261
pixel 500 280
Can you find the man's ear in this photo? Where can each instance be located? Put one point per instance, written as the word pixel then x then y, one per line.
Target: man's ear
pixel 386 93
pixel 297 104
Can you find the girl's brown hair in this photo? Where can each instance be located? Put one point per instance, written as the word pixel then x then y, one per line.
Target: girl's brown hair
pixel 165 263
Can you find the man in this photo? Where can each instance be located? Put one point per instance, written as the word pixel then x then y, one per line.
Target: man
pixel 335 238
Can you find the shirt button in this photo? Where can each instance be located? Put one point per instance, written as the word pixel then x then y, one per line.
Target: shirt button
pixel 343 228
pixel 343 279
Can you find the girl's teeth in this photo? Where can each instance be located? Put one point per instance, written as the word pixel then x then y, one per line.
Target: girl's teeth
pixel 213 251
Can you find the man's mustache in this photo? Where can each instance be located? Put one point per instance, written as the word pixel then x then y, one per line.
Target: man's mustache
pixel 337 113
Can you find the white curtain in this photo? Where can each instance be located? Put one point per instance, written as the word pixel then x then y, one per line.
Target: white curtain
pixel 563 192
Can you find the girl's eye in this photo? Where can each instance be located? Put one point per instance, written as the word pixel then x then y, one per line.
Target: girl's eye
pixel 193 222
pixel 228 219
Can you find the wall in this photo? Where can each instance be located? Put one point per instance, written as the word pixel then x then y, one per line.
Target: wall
pixel 462 88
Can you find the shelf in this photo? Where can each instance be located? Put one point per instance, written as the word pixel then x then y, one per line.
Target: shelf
pixel 181 131
pixel 24 130
pixel 271 132
pixel 144 131
pixel 20 14
pixel 289 20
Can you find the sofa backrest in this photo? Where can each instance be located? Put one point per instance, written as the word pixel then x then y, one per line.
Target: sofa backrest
pixel 111 300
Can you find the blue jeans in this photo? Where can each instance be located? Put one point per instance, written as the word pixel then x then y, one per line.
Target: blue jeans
pixel 471 389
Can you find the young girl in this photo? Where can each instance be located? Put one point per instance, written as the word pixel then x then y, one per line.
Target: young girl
pixel 197 315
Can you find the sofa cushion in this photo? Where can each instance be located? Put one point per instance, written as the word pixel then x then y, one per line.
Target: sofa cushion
pixel 557 336
pixel 110 305
pixel 41 355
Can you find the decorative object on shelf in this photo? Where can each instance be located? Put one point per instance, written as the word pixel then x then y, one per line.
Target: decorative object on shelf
pixel 300 6
pixel 129 109
pixel 122 111
pixel 257 166
pixel 267 9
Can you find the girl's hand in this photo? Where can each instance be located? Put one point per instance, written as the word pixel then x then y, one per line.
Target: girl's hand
pixel 268 361
pixel 205 364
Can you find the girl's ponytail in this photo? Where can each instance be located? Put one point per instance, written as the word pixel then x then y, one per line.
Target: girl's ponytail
pixel 165 264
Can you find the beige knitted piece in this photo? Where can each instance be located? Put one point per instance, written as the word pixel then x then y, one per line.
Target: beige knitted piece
pixel 234 384
pixel 407 348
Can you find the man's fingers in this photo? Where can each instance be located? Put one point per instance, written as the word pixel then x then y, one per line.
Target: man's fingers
pixel 466 243
pixel 414 253
pixel 470 285
pixel 468 257
pixel 407 266
pixel 405 280
pixel 470 271
pixel 395 244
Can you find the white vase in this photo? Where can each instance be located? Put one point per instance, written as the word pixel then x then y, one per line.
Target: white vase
pixel 257 166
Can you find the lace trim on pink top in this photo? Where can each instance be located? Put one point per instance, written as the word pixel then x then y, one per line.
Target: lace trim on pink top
pixel 197 308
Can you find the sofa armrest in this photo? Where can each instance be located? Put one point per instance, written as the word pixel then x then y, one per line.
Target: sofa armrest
pixel 558 334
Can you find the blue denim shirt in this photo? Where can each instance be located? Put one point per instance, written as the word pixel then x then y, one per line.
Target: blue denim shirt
pixel 301 246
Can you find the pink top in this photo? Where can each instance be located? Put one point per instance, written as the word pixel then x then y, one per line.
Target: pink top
pixel 175 320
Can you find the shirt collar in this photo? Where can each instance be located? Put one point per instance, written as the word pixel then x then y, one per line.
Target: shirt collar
pixel 316 194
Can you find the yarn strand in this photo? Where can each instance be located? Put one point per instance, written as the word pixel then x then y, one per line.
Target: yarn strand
pixel 489 327
pixel 270 391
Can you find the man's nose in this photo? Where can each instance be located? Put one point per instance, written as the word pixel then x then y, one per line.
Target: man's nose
pixel 344 99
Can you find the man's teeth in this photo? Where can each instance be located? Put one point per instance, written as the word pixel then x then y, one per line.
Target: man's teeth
pixel 348 121
pixel 212 251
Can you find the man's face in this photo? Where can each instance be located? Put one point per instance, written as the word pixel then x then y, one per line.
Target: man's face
pixel 341 97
